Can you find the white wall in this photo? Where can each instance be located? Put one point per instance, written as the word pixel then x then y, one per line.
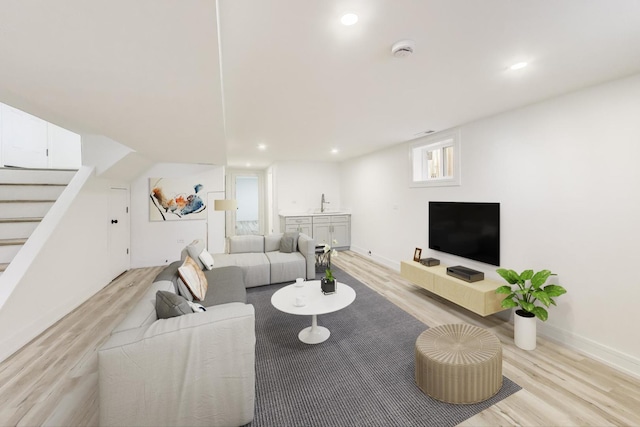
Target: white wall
pixel 160 242
pixel 298 186
pixel 565 172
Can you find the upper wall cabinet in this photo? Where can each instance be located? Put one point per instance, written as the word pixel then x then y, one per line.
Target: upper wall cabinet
pixel 30 142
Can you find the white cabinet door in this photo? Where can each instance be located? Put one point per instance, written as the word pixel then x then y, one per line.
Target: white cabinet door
pixel 64 148
pixel 341 234
pixel 24 139
pixel 322 233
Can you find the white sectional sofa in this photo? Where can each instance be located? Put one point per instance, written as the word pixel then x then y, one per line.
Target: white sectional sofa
pixel 264 259
pixel 195 369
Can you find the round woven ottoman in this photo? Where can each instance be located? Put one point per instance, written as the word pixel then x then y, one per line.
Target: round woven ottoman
pixel 458 363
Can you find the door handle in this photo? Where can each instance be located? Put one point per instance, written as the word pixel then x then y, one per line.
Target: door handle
pixel 114 221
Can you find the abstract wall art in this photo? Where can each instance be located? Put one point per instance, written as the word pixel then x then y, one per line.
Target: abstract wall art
pixel 174 199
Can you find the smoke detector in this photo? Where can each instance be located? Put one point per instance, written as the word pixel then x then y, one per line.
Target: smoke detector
pixel 403 48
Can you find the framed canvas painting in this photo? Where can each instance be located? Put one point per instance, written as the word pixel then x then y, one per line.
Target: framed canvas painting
pixel 176 199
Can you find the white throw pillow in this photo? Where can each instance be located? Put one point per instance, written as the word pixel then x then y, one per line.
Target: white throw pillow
pixel 194 278
pixel 196 307
pixel 206 259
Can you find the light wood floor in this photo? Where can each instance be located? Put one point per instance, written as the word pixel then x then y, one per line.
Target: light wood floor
pixel 53 380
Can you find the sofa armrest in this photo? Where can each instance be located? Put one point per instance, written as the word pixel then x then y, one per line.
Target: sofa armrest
pixel 196 369
pixel 307 247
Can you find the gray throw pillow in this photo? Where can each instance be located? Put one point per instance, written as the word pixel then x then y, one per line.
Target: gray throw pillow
pixel 286 245
pixel 169 305
pixel 294 235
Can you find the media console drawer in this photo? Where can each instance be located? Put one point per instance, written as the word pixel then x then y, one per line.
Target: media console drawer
pixel 479 297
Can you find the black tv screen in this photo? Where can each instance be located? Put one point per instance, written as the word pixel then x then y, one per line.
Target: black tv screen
pixel 469 230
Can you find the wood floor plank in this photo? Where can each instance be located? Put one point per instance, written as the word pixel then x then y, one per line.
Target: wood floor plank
pixel 53 380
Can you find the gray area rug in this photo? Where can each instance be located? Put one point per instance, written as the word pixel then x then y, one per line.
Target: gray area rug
pixel 362 375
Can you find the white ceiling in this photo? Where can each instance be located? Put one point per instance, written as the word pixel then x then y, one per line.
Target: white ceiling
pixel 147 72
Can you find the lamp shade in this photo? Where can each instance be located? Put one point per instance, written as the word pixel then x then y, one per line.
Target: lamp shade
pixel 225 205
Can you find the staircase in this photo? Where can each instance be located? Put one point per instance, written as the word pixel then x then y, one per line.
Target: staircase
pixel 25 197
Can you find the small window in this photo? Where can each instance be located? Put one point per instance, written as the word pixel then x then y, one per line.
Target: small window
pixel 436 161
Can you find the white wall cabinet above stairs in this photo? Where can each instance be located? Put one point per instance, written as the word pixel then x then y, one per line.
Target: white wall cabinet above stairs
pixel 28 141
pixel 26 195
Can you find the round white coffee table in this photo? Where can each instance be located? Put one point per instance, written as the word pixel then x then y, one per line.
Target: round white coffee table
pixel 315 303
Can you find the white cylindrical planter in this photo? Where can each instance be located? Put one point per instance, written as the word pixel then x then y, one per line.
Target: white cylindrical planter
pixel 524 331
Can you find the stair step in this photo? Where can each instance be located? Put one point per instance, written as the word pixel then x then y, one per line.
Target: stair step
pixel 30 210
pixel 35 176
pixel 18 228
pixel 44 184
pixel 30 191
pixel 28 201
pixel 20 168
pixel 10 220
pixel 8 252
pixel 12 242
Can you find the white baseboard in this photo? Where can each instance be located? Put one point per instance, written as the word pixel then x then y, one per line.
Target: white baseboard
pixel 394 265
pixel 607 355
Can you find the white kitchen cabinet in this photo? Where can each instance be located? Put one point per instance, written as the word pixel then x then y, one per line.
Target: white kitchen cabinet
pixel 330 228
pixel 323 228
pixel 296 223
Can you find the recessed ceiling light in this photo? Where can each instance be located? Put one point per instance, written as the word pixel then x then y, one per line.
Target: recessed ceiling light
pixel 349 19
pixel 248 165
pixel 334 151
pixel 262 147
pixel 518 66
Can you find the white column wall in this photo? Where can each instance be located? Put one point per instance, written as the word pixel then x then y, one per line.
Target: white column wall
pixel 565 172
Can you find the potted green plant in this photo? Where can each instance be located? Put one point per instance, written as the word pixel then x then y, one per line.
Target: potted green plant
pixel 528 292
pixel 328 282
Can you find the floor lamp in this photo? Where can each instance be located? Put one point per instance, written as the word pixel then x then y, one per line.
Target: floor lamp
pixel 225 205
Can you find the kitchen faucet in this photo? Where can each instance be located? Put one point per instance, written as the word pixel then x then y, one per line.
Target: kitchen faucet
pixel 322 203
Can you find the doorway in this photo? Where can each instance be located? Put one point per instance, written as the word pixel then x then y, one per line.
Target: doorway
pixel 119 231
pixel 247 187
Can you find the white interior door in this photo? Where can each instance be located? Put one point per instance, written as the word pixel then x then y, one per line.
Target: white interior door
pixel 24 139
pixel 119 232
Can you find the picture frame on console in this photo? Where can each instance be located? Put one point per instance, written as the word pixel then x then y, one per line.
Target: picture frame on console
pixel 417 254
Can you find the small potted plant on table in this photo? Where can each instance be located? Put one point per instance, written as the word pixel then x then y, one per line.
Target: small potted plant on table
pixel 528 291
pixel 328 282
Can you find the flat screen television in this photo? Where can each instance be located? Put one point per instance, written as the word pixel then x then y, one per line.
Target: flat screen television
pixel 469 230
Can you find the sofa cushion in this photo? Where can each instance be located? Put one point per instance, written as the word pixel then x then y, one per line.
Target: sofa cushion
pixel 143 312
pixel 183 290
pixel 246 244
pixel 206 259
pixel 169 305
pixel 256 266
pixel 194 249
pixel 170 273
pixel 294 236
pixel 286 244
pixel 226 284
pixel 194 278
pixel 286 267
pixel 272 242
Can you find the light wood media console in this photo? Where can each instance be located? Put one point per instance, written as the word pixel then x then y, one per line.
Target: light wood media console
pixel 479 297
